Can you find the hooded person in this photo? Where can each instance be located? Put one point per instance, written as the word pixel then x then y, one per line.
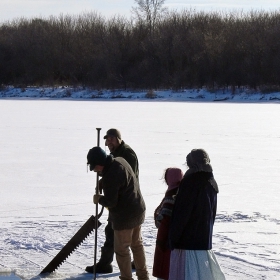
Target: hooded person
pixel 162 216
pixel 192 222
pixel 123 198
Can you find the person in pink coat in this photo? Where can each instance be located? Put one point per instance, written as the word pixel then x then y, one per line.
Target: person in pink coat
pixel 162 216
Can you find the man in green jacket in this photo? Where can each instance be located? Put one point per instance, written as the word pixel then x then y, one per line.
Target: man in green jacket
pixel 118 148
pixel 123 198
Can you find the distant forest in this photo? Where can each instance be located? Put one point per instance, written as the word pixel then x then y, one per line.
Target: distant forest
pixel 185 49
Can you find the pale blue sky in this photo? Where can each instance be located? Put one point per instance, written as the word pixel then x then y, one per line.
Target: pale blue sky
pixel 10 9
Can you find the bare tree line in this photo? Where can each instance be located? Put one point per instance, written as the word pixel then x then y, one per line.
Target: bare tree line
pixel 167 50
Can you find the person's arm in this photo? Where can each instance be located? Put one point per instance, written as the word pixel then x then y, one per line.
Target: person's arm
pixel 111 184
pixel 131 158
pixel 158 218
pixel 184 203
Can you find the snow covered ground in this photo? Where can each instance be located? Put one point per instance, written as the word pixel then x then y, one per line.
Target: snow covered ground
pixel 46 192
pixel 242 94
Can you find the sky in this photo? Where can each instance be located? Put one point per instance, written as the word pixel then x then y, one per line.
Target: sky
pixel 46 191
pixel 13 9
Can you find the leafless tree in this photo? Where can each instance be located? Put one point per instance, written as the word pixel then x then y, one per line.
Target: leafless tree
pixel 149 11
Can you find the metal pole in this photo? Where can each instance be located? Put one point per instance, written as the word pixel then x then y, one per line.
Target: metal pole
pixel 96 209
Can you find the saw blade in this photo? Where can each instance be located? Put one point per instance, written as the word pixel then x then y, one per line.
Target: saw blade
pixel 72 245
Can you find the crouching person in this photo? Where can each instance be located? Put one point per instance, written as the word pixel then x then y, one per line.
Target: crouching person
pixel 126 207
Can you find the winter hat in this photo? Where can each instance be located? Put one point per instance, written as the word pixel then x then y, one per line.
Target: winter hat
pixel 173 177
pixel 96 156
pixel 198 160
pixel 113 132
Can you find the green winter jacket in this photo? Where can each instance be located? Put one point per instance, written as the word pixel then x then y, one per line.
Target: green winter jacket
pixel 126 152
pixel 122 195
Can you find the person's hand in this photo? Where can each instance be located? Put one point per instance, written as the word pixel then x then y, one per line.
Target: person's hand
pixel 96 198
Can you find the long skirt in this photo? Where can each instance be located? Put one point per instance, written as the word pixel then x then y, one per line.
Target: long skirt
pixel 194 265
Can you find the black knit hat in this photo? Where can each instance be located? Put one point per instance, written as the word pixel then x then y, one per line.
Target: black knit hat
pixel 113 132
pixel 96 156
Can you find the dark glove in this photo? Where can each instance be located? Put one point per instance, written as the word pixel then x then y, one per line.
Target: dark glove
pixel 96 198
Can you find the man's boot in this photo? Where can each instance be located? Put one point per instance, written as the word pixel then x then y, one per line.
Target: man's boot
pixel 104 265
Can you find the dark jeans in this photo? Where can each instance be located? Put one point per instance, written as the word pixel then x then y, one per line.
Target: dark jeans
pixel 109 235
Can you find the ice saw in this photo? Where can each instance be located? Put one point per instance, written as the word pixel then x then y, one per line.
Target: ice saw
pixel 72 244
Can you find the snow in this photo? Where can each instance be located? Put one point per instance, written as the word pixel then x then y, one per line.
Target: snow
pixel 64 92
pixel 46 192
